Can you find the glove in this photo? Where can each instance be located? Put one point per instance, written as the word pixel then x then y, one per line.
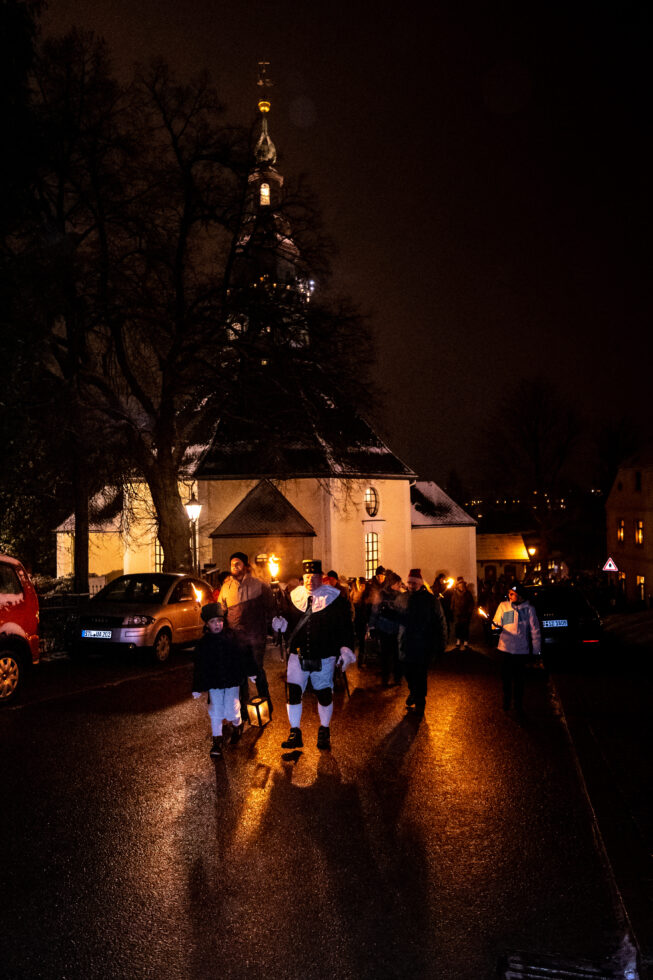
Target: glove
pixel 252 679
pixel 346 658
pixel 279 624
pixel 197 694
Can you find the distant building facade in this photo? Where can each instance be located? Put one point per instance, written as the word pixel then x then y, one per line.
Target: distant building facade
pixel 629 527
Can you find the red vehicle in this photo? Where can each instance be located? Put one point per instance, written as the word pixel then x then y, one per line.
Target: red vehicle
pixel 19 627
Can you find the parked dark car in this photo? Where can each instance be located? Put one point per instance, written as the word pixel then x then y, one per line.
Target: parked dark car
pixel 156 610
pixel 568 621
pixel 19 627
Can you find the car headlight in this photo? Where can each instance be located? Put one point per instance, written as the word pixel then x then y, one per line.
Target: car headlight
pixel 137 620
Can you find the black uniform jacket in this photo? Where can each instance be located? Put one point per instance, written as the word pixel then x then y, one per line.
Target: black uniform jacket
pixel 324 632
pixel 221 661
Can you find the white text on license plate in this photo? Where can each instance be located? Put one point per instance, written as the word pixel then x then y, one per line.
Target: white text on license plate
pixel 97 634
pixel 555 622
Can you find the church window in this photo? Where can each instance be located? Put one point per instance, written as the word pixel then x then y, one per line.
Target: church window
pixel 371 502
pixel 621 524
pixel 371 553
pixel 639 532
pixel 265 195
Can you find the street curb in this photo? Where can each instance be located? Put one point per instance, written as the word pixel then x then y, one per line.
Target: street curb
pixel 623 854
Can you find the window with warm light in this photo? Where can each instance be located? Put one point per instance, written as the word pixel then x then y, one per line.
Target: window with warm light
pixel 371 553
pixel 621 529
pixel 371 502
pixel 158 556
pixel 639 532
pixel 641 587
pixel 265 195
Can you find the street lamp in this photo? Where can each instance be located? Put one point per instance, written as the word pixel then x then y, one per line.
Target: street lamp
pixel 193 509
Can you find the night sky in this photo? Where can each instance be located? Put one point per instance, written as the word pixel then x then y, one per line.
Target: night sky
pixel 483 169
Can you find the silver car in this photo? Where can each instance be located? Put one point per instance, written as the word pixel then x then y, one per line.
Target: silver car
pixel 148 609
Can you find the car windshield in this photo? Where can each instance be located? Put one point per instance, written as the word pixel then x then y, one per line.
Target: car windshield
pixel 149 588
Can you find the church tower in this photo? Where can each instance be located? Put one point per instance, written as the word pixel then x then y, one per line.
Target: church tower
pixel 266 257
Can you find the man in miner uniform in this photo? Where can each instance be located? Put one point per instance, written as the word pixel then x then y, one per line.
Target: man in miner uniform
pixel 321 634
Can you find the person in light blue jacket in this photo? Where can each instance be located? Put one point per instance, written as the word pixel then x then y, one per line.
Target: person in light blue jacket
pixel 519 639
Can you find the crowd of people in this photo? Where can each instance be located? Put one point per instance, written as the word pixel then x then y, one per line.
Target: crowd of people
pixel 324 624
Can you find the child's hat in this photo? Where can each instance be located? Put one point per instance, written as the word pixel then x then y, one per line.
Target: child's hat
pixel 212 610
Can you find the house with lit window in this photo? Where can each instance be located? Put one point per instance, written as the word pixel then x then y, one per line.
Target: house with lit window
pixel 629 520
pixel 354 506
pixel 501 555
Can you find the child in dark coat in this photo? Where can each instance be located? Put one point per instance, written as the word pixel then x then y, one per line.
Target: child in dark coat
pixel 221 665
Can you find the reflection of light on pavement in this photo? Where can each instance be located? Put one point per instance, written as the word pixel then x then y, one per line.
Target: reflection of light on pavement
pixel 251 815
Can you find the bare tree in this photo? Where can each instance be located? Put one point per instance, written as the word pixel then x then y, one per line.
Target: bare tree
pixel 132 237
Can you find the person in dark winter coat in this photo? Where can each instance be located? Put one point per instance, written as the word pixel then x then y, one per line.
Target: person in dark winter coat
pixel 462 607
pixel 422 635
pixel 385 628
pixel 221 664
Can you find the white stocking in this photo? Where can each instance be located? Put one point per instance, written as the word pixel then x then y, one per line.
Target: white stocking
pixel 325 711
pixel 294 714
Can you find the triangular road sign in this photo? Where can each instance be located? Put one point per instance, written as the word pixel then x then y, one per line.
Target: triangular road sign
pixel 610 566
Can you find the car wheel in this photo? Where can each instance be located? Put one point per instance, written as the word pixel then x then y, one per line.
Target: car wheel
pixel 11 675
pixel 162 646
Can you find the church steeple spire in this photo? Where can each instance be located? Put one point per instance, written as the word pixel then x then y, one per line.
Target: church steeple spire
pixel 265 152
pixel 267 258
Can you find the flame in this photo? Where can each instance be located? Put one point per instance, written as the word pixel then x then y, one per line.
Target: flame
pixel 199 595
pixel 449 582
pixel 483 613
pixel 273 566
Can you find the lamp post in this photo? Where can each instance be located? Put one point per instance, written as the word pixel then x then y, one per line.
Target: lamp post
pixel 193 509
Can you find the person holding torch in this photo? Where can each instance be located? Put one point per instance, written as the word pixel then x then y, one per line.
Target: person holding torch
pixel 519 638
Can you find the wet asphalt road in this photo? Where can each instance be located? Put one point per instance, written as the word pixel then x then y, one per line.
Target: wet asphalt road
pixel 411 849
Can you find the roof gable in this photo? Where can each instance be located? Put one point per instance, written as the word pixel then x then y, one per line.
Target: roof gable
pixel 264 511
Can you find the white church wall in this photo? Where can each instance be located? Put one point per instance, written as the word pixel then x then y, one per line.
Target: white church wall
pixel 451 550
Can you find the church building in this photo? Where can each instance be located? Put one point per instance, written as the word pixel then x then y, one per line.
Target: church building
pixel 355 507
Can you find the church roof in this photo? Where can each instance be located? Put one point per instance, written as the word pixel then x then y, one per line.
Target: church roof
pixel 264 512
pixel 431 507
pixel 240 449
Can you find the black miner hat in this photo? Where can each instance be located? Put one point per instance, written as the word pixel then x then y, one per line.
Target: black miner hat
pixel 312 566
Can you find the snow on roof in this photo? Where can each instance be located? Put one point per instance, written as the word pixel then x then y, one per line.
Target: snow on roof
pixel 432 507
pixel 108 501
pixel 500 547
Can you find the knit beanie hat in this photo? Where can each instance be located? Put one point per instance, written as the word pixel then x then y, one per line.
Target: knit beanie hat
pixel 241 556
pixel 415 575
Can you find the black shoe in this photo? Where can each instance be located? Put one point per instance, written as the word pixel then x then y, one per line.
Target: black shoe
pixel 216 748
pixel 410 701
pixel 237 733
pixel 294 740
pixel 324 737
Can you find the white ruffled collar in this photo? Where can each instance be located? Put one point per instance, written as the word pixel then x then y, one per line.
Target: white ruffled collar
pixel 323 596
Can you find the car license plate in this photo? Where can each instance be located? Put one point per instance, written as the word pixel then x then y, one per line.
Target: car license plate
pixel 555 622
pixel 97 634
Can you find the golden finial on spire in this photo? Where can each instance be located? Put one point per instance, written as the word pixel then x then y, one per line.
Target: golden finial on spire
pixel 264 83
